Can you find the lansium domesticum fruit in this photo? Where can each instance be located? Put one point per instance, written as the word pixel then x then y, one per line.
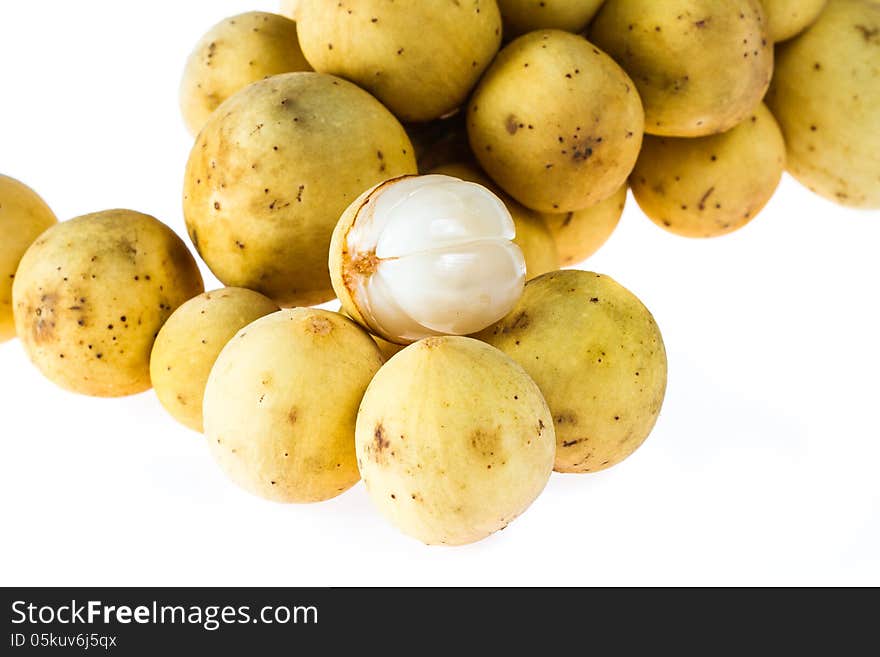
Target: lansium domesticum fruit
pixel 191 340
pixel 233 54
pixel 91 294
pixel 23 216
pixel 826 97
pixel 274 168
pixel 464 451
pixel 421 58
pixel 556 122
pixel 598 357
pixel 281 403
pixel 700 65
pixel 426 255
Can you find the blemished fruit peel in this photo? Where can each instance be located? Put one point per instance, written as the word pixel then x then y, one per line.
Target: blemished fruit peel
pixel 596 353
pixel 465 451
pixel 91 294
pixel 272 171
pixel 826 97
pixel 281 402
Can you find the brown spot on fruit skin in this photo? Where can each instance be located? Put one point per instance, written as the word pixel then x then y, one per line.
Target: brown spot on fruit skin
pixel 380 443
pixel 566 418
pixel 292 415
pixel 869 34
pixel 485 443
pixel 702 203
pixel 570 443
pixel 320 326
pixel 511 124
pixel 520 321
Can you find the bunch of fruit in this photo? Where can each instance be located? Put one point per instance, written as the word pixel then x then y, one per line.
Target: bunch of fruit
pixel 432 164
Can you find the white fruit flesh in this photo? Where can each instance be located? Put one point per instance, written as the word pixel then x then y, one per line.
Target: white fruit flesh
pixel 433 255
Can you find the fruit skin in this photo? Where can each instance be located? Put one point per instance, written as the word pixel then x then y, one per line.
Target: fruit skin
pixel 289 8
pixel 190 341
pixel 700 65
pixel 710 186
pixel 578 235
pixel 339 255
pixel 532 234
pixel 272 171
pixel 597 355
pixel 465 451
pixel 788 18
pixel 826 97
pixel 281 403
pixel 521 16
pixel 92 293
pixel 234 53
pixel 555 122
pixel 421 58
pixel 23 218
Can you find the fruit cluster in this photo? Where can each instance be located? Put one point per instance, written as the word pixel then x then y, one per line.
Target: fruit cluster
pixel 432 165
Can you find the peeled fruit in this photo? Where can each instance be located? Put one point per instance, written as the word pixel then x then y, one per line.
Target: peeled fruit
pixel 555 122
pixel 597 355
pixel 23 218
pixel 788 18
pixel 421 58
pixel 92 293
pixel 465 451
pixel 232 54
pixel 826 97
pixel 710 186
pixel 532 235
pixel 270 174
pixel 700 65
pixel 418 256
pixel 190 341
pixel 521 16
pixel 281 402
pixel 578 235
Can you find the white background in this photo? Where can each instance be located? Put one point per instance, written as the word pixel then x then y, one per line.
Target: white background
pixel 763 469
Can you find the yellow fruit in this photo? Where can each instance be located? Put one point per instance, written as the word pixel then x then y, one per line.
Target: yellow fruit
pixel 597 355
pixel 23 218
pixel 271 173
pixel 190 341
pixel 578 235
pixel 281 403
pixel 465 451
pixel 710 186
pixel 92 293
pixel 555 122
